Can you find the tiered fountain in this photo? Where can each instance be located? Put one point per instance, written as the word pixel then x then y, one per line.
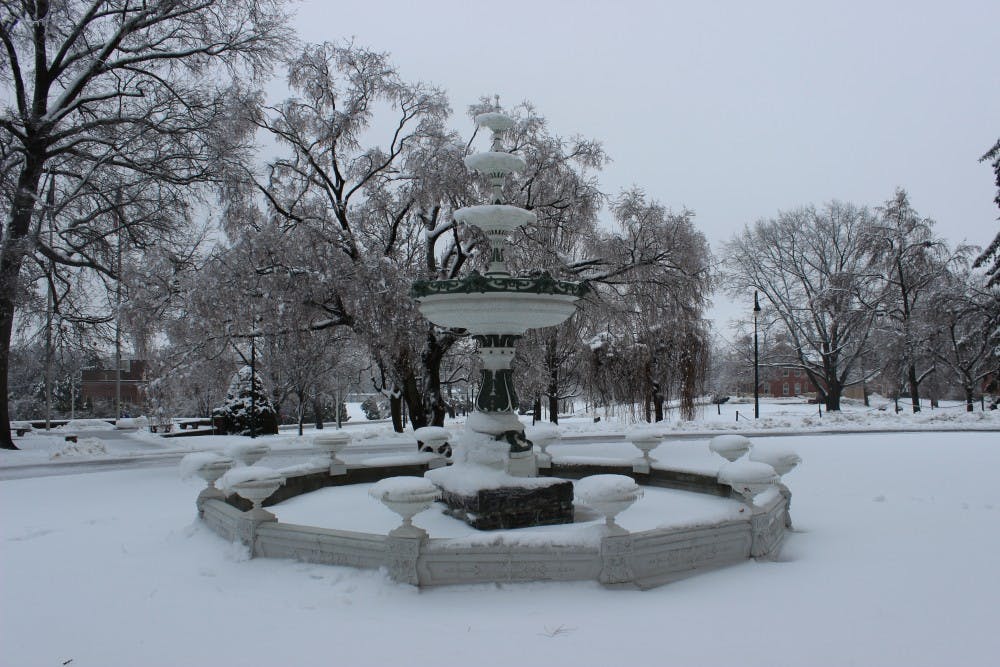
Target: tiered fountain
pixel 497 308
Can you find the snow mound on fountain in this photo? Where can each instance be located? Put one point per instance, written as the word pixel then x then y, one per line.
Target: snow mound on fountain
pixel 237 475
pixel 192 463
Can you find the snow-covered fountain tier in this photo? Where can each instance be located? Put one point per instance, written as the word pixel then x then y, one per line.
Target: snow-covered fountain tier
pixel 497 308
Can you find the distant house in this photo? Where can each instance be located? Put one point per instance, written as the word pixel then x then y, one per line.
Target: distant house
pixel 97 385
pixel 785 381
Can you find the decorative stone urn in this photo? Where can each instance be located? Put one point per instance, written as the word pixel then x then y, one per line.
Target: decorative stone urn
pixel 748 478
pixel 257 490
pixel 782 460
pixel 645 439
pixel 211 471
pixel 543 435
pixel 610 495
pixel 730 447
pixel 333 442
pixel 248 453
pixel 407 497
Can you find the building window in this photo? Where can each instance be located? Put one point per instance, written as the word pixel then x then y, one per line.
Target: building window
pixel 784 389
pixel 784 372
pixel 798 388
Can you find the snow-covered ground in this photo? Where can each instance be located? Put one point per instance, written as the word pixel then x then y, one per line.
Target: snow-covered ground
pixel 893 562
pixel 99 440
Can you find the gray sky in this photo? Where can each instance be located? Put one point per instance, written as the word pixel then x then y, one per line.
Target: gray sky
pixel 734 109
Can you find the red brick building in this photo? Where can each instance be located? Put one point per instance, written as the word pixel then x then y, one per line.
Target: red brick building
pixel 786 382
pixel 97 385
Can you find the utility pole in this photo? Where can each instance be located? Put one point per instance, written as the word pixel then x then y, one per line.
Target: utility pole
pixel 118 313
pixel 50 302
pixel 756 360
pixel 253 381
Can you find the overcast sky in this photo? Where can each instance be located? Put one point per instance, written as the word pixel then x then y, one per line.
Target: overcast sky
pixel 734 109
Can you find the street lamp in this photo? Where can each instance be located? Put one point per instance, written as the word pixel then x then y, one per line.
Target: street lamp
pixel 253 380
pixel 756 365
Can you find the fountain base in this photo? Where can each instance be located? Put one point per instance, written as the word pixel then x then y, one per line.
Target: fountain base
pixel 513 507
pixel 489 499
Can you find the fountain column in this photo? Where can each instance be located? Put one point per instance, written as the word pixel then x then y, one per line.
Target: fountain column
pixel 497 308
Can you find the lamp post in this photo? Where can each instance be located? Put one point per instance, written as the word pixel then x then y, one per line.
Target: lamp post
pixel 756 365
pixel 253 380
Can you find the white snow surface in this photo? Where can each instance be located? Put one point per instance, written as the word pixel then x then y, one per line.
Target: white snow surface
pixel 88 425
pixel 82 448
pixel 349 508
pixel 892 562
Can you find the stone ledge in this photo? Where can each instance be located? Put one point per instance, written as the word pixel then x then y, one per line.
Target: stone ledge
pixel 641 559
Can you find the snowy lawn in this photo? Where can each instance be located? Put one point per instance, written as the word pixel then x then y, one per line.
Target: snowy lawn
pixel 893 563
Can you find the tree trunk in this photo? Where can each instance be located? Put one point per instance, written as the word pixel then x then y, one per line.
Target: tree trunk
pixel 301 410
pixel 415 404
pixel 658 403
pixel 832 398
pixel 552 362
pixel 911 377
pixel 396 412
pixel 969 397
pixel 11 258
pixel 8 287
pixel 317 413
pixel 536 413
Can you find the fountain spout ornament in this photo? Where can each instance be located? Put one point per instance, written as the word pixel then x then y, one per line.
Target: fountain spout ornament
pixel 497 308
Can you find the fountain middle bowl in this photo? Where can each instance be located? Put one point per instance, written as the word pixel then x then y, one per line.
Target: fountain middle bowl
pixel 499 217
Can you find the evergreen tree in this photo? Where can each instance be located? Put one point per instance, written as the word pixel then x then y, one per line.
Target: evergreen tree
pixel 246 405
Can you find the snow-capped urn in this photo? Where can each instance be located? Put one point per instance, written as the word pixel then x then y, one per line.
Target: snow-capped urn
pixel 645 439
pixel 608 494
pixel 333 442
pixel 433 439
pixel 730 447
pixel 210 466
pixel 248 453
pixel 748 478
pixel 543 435
pixel 407 497
pixel 256 484
pixel 782 460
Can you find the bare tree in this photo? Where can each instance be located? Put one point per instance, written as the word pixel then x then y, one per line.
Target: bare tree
pixel 812 266
pixel 112 106
pixel 966 322
pixel 910 260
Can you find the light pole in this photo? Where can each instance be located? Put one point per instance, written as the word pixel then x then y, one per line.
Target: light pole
pixel 756 364
pixel 253 381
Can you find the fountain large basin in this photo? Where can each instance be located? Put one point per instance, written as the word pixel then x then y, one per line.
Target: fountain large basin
pixel 498 312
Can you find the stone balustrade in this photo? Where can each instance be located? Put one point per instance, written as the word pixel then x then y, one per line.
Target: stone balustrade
pixel 641 559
